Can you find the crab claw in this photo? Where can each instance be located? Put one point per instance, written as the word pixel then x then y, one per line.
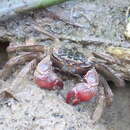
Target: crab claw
pixel 92 77
pixel 49 80
pixel 80 93
pixel 45 77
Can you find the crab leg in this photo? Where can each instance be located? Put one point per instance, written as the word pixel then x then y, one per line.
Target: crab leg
pixel 16 61
pixel 110 75
pixel 32 48
pixel 16 84
pixel 108 92
pixel 110 59
pixel 22 75
pixel 100 104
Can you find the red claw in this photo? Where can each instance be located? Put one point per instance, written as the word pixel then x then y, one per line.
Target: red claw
pixel 45 77
pixel 49 80
pixel 80 93
pixel 84 91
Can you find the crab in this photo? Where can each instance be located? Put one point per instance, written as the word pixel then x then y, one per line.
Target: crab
pixel 93 73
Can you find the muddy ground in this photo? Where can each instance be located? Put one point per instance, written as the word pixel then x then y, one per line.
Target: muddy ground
pixel 42 109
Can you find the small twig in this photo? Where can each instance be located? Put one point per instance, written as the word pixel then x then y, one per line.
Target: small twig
pixel 55 16
pixel 52 37
pixel 39 28
pixel 5 94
